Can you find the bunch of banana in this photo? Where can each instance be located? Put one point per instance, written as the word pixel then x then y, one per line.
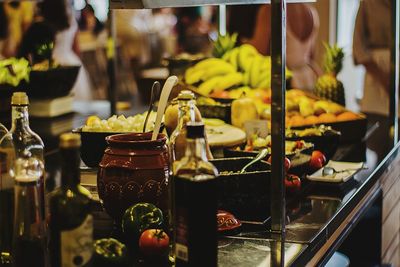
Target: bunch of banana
pixel 239 66
pixel 215 74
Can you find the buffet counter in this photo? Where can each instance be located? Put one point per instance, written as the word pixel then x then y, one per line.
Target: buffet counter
pixel 319 218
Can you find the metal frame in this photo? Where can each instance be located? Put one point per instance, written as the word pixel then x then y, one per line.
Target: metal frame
pixel 394 71
pixel 138 4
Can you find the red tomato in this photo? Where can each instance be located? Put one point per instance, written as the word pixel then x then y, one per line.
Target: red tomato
pixel 287 163
pixel 317 160
pixel 299 144
pixel 154 242
pixel 292 182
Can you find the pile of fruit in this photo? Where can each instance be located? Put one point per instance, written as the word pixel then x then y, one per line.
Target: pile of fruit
pixel 119 123
pixel 302 109
pixel 241 68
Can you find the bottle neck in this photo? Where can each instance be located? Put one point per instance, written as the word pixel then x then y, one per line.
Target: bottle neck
pixel 196 149
pixel 20 118
pixel 70 174
pixel 185 113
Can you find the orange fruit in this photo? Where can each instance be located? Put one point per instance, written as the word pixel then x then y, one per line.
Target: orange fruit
pixel 296 120
pixel 347 116
pixel 311 120
pixel 327 118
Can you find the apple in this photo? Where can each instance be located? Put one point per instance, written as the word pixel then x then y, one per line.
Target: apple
pixel 287 163
pixel 317 160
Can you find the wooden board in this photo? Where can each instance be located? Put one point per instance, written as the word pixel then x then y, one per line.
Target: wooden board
pixel 225 135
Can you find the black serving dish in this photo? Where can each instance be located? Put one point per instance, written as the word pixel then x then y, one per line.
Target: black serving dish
pixel 327 143
pixel 220 111
pixel 351 130
pixel 52 83
pixel 247 195
pixel 297 158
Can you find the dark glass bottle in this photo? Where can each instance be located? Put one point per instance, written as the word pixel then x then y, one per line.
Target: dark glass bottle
pixel 186 113
pixel 71 222
pixel 195 204
pixel 29 239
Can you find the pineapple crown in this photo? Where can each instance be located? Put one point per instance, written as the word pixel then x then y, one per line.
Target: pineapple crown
pixel 223 44
pixel 333 61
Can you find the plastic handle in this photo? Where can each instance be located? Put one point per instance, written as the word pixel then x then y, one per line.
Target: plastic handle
pixel 162 104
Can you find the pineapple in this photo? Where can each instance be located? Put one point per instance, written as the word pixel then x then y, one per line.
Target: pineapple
pixel 328 86
pixel 223 44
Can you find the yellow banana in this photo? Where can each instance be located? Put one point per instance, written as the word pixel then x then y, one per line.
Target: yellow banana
pixel 246 53
pixel 227 55
pixel 206 87
pixel 193 76
pixel 265 80
pixel 228 81
pixel 207 63
pixel 233 58
pixel 255 71
pixel 218 69
pixel 246 78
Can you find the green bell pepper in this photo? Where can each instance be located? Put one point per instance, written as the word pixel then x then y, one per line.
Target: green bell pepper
pixel 138 218
pixel 109 252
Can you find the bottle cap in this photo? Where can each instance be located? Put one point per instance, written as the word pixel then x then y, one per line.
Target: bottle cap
pixel 186 95
pixel 70 140
pixel 19 98
pixel 195 130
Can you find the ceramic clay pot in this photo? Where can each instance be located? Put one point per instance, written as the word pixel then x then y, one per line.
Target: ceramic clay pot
pixel 133 169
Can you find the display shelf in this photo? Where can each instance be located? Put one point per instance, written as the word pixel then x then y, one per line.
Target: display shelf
pixel 138 4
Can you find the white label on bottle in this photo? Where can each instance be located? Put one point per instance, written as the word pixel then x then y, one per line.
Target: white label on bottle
pixel 77 244
pixel 181 252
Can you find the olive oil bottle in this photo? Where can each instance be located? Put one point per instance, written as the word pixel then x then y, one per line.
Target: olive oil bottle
pixel 195 204
pixel 30 238
pixel 71 222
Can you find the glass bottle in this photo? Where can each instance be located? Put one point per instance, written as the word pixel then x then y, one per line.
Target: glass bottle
pixel 29 238
pixel 6 196
pixel 71 222
pixel 195 204
pixel 186 113
pixel 23 137
pixel 15 144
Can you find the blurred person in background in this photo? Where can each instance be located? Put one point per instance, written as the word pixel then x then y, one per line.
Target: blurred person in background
pixel 193 30
pixel 89 22
pixel 15 18
pixel 56 23
pixel 301 36
pixel 371 48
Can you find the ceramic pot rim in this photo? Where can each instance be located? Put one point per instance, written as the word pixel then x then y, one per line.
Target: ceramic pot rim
pixel 135 138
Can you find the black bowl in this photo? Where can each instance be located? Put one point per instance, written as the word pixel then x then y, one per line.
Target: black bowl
pixel 327 143
pixel 94 144
pixel 52 83
pixel 247 195
pixel 297 158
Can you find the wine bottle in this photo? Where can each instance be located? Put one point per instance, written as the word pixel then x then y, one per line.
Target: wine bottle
pixel 29 238
pixel 71 222
pixel 195 204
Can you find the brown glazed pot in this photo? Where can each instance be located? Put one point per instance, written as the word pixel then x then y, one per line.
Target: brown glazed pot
pixel 133 169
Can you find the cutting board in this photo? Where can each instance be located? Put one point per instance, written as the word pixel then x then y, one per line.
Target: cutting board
pixel 225 135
